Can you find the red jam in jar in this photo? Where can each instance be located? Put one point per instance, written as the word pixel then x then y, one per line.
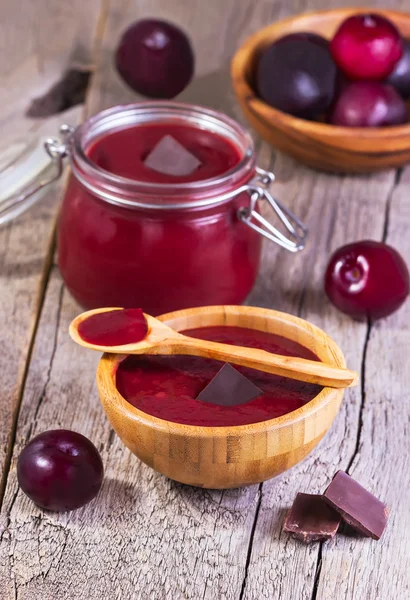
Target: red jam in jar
pixel 132 236
pixel 112 152
pixel 167 386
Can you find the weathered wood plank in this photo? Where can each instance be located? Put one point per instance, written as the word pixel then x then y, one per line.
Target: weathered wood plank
pixel 144 534
pixel 338 211
pixel 279 567
pixel 25 256
pixel 53 32
pixel 353 567
pixel 36 43
pixel 174 541
pixel 146 537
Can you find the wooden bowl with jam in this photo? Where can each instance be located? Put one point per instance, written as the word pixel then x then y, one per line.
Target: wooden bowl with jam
pixel 226 456
pixel 317 144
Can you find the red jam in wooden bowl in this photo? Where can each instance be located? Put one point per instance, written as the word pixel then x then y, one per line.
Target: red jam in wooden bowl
pixel 167 387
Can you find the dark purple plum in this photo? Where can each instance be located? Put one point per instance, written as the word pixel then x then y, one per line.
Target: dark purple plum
pixel 399 78
pixel 297 76
pixel 366 46
pixel 368 104
pixel 155 58
pixel 367 279
pixel 60 470
pixel 305 35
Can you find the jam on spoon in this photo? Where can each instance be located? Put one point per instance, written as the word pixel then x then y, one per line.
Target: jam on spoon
pixel 116 327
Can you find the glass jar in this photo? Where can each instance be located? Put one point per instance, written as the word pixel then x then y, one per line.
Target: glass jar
pixel 161 246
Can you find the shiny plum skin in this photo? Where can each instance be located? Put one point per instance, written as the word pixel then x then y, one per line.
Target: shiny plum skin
pixel 305 35
pixel 60 470
pixel 399 78
pixel 368 104
pixel 367 280
pixel 297 75
pixel 155 58
pixel 366 47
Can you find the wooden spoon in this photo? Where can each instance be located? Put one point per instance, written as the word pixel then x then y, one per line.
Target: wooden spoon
pixel 161 339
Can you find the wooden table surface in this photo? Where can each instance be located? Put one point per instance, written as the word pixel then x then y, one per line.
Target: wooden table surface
pixel 145 536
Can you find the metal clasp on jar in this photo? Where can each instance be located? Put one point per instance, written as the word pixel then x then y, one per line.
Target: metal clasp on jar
pixel 258 190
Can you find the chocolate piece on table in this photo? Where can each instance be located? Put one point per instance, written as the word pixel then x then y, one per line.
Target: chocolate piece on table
pixel 310 519
pixel 171 158
pixel 229 388
pixel 358 507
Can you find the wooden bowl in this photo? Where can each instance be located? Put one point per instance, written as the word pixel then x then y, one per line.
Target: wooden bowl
pixel 226 457
pixel 318 145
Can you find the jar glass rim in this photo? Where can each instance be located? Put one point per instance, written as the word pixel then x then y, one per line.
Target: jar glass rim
pixel 106 184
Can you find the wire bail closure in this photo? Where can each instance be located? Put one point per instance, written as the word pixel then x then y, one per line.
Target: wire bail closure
pixel 251 217
pixel 57 148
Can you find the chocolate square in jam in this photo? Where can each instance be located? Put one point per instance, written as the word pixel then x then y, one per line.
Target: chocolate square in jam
pixel 171 158
pixel 229 388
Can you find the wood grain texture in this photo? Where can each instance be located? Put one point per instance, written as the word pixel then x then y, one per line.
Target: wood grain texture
pixel 146 537
pixel 38 41
pixel 27 66
pixel 165 340
pixel 54 33
pixel 226 457
pixel 160 539
pixel 26 244
pixel 318 145
pixel 338 211
pixel 351 568
pixel 350 208
pixel 26 247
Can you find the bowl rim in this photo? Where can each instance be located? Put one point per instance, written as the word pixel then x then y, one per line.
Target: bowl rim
pixel 108 364
pixel 241 58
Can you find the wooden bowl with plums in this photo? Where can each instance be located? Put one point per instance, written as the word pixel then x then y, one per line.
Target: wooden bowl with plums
pixel 196 446
pixel 354 121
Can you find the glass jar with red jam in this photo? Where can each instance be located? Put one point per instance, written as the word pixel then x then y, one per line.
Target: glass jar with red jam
pixel 161 209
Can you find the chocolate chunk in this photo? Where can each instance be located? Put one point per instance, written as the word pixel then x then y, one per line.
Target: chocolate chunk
pixel 171 158
pixel 310 519
pixel 229 388
pixel 358 507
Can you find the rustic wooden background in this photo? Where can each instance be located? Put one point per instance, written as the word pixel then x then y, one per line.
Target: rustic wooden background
pixel 147 537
